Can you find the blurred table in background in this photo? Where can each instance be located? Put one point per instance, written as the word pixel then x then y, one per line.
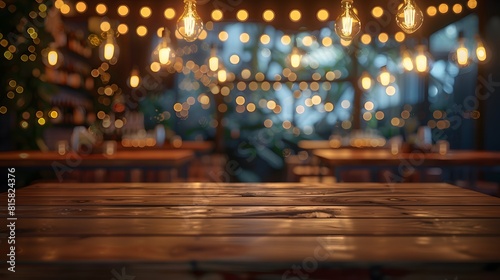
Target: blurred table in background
pixel 348 158
pixel 124 160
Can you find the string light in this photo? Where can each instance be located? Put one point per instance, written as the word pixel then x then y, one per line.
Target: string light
pixel 213 61
pixel 481 53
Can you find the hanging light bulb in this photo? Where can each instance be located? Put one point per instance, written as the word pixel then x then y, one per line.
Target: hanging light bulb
pixel 52 56
pixel 409 17
pixel 422 59
pixel 190 24
pixel 481 50
pixel 365 82
pixel 384 77
pixel 213 61
pixel 294 59
pixel 407 61
pixel 347 25
pixel 109 49
pixel 164 49
pixel 134 79
pixel 222 75
pixel 461 55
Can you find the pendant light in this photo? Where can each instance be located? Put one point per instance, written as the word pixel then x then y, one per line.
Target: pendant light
pixel 347 25
pixel 190 24
pixel 409 17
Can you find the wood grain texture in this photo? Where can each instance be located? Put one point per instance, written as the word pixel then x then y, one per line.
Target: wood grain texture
pixel 273 249
pixel 254 231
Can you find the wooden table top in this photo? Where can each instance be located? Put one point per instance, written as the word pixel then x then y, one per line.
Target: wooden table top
pixel 126 158
pixel 385 157
pixel 252 231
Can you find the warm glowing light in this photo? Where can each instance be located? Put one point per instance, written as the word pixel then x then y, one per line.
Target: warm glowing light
pixel 265 39
pixel 222 75
pixel 295 15
pixel 155 66
pixel 142 30
pixel 472 4
pixel 268 15
pixel 462 55
pixel 286 40
pixel 213 61
pixel 322 15
pixel 190 24
pixel 481 51
pixel 242 15
pixel 217 15
pixel 65 9
pixel 399 37
pixel 165 53
pixel 457 8
pixel 122 28
pixel 295 57
pixel 169 13
pixel 109 49
pixel 134 79
pixel 101 9
pixel 81 7
pixel 409 17
pixel 443 8
pixel 366 81
pixel 123 10
pixel 234 59
pixel 105 26
pixel 307 41
pixel 377 12
pixel 383 37
pixel 52 57
pixel 431 11
pixel 407 61
pixel 223 36
pixel 347 25
pixel 366 39
pixel 244 37
pixel 390 90
pixel 421 61
pixel 384 77
pixel 369 106
pixel 146 12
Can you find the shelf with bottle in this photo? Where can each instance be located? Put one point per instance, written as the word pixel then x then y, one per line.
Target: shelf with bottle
pixel 70 109
pixel 63 77
pixel 77 43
